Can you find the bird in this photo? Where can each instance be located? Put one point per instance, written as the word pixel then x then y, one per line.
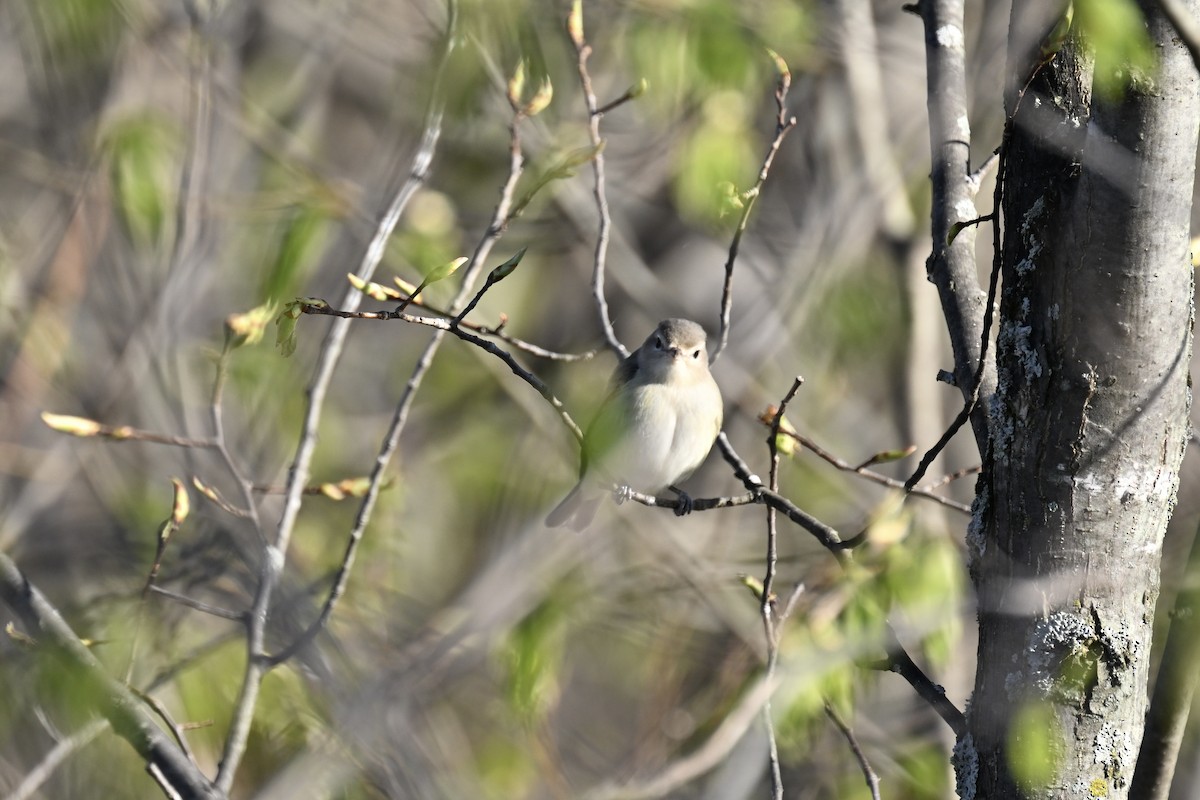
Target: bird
pixel 661 416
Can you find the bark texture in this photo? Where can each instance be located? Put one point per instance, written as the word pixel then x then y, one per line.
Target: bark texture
pixel 1088 423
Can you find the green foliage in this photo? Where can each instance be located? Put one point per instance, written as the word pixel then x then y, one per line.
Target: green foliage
pixel 302 236
pixel 77 33
pixel 285 323
pixel 505 768
pixel 720 57
pixel 703 47
pixel 898 571
pixel 923 774
pixel 861 315
pixel 284 722
pixel 718 152
pixel 1115 31
pixel 141 153
pixel 207 692
pixel 533 654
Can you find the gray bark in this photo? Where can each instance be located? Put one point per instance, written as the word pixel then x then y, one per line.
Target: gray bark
pixel 1088 423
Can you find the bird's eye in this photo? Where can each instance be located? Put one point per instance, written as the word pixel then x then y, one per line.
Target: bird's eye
pixel 658 345
pixel 696 354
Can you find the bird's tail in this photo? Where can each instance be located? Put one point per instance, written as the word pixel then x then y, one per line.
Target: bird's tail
pixel 576 510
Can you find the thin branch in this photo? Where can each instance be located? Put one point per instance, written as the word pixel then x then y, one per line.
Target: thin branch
pixel 166 717
pixel 275 555
pixel 783 125
pixel 900 662
pixel 583 51
pixel 447 326
pixel 898 659
pixel 829 538
pixel 89 429
pixel 198 605
pixel 767 602
pixel 498 332
pixel 984 369
pixel 217 420
pixel 868 774
pixel 499 223
pixel 113 700
pixel 705 757
pixel 876 477
pixel 62 750
pixel 698 503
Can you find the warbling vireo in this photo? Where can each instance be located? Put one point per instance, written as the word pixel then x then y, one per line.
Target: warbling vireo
pixel 660 419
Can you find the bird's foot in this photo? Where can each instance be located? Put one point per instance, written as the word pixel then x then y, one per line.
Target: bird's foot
pixel 685 504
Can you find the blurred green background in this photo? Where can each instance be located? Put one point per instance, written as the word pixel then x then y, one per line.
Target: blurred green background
pixel 158 175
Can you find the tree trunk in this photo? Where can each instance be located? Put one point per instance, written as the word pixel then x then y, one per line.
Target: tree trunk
pixel 1088 423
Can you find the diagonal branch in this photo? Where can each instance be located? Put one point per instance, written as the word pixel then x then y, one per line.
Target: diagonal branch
pixel 129 718
pixel 783 125
pixel 275 555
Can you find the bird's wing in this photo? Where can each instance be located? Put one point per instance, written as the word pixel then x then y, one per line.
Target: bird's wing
pixel 601 431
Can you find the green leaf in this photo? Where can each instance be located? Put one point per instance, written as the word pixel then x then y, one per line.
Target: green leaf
pixel 285 323
pixel 888 456
pixel 142 165
pixel 504 270
pixel 441 272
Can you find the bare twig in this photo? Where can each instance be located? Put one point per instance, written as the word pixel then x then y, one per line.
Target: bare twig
pixel 198 605
pixel 498 332
pixel 166 717
pixel 275 555
pixel 86 428
pixel 783 125
pixel 868 774
pixel 113 700
pixel 711 752
pixel 698 503
pixel 217 420
pixel 767 602
pixel 583 51
pixel 876 477
pixel 447 326
pixel 900 662
pixel 62 750
pixel 499 223
pixel 179 512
